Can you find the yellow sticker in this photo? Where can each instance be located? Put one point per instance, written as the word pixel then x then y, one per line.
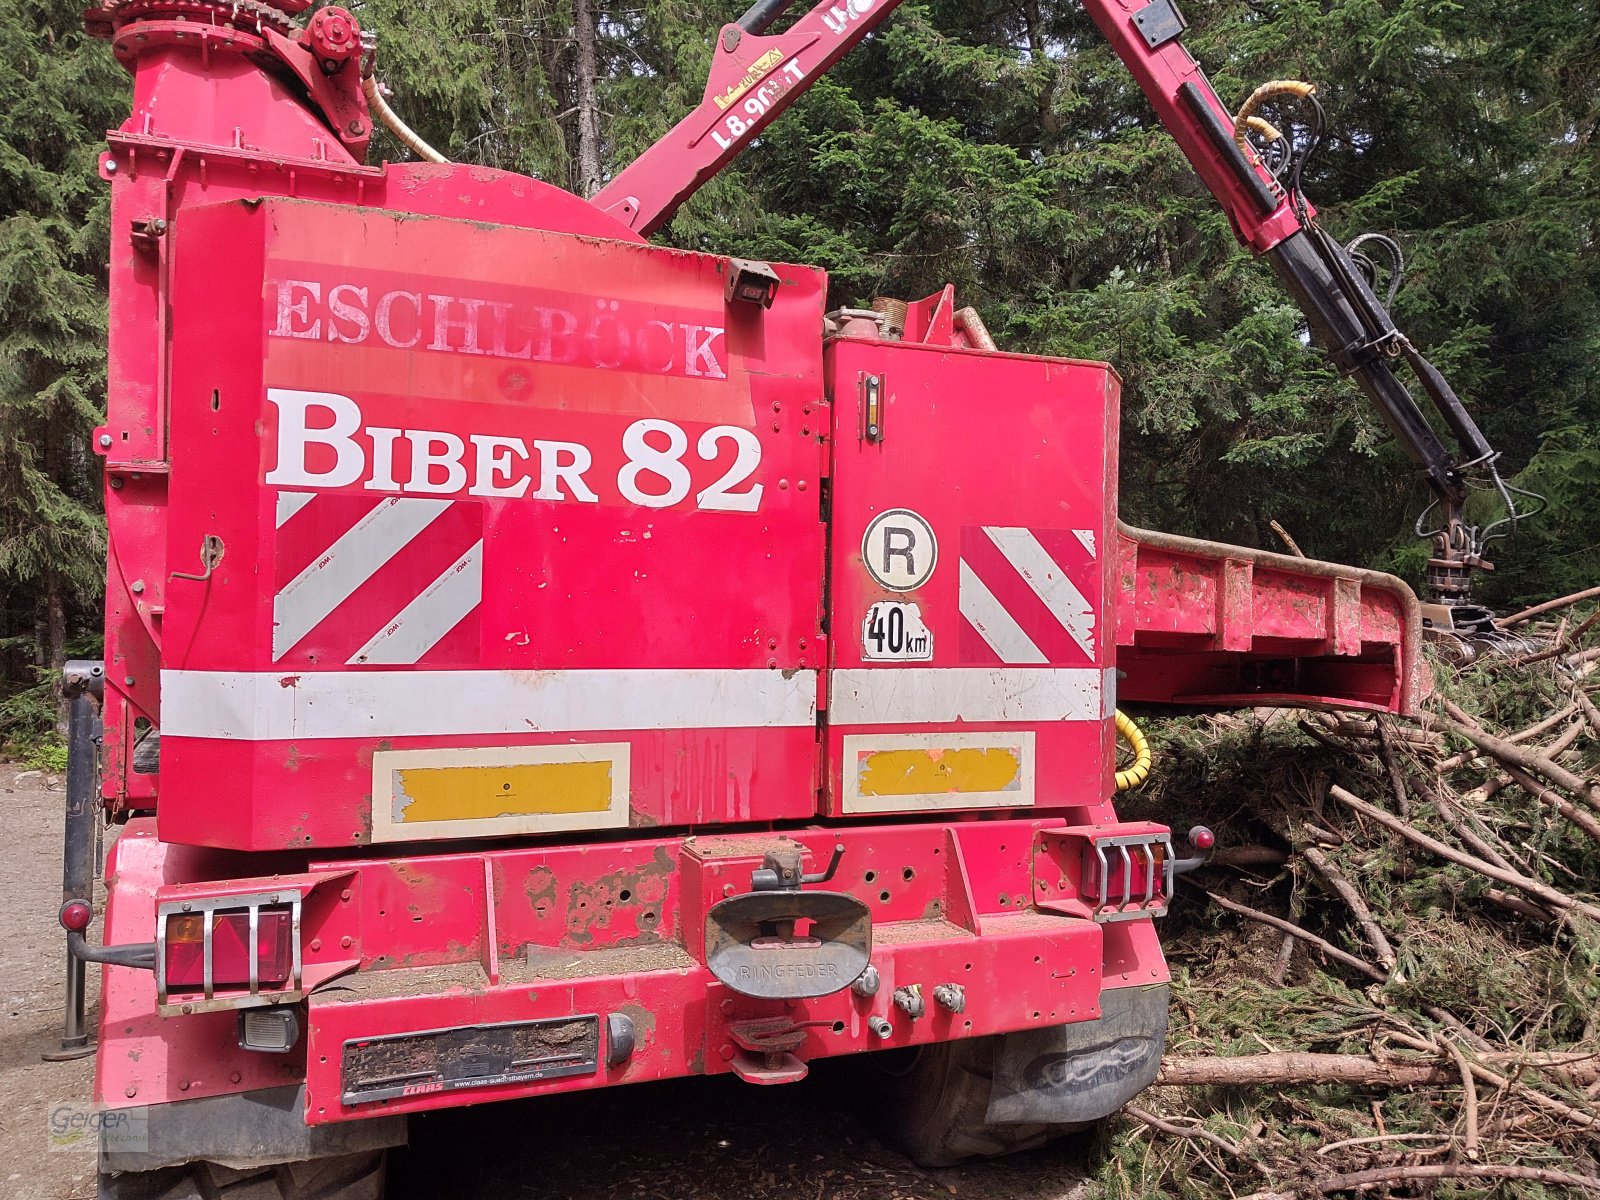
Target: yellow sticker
pixel 498 791
pixel 938 769
pixel 753 76
pixel 918 772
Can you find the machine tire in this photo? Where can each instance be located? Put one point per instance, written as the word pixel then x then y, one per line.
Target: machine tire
pixel 338 1177
pixel 933 1105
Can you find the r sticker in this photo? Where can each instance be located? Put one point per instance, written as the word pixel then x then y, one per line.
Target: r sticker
pixel 899 550
pixel 895 631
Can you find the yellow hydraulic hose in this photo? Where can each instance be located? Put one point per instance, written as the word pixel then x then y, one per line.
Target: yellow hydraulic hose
pixel 1134 736
pixel 373 90
pixel 1275 87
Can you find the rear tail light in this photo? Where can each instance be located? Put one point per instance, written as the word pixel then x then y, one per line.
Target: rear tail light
pixel 231 955
pixel 1128 876
pixel 1119 871
pixel 245 947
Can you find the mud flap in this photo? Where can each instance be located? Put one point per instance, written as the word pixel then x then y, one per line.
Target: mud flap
pixel 1072 1074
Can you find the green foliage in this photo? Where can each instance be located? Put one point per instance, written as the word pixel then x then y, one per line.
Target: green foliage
pixel 59 92
pixel 1000 147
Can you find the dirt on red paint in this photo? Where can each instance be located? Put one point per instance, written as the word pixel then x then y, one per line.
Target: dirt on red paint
pixel 689 1139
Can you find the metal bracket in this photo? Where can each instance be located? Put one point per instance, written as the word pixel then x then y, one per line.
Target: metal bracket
pixel 780 869
pixel 82 676
pixel 1159 22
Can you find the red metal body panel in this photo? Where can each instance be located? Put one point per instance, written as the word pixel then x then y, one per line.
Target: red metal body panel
pixel 1207 624
pixel 438 469
pixel 446 941
pixel 1009 462
pixel 439 334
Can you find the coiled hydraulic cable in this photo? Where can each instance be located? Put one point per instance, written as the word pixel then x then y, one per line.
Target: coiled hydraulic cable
pixel 1134 736
pixel 1246 118
pixel 373 90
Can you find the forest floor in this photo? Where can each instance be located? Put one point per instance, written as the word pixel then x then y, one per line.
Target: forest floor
pixel 1393 905
pixel 33 955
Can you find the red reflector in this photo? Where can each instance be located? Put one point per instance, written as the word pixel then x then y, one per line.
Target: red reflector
pixel 230 950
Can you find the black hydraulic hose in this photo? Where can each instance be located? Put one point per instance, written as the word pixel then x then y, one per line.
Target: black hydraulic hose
pixel 1473 445
pixel 1343 331
pixel 760 15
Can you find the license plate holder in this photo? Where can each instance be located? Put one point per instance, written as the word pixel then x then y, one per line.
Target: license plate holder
pixel 444 1060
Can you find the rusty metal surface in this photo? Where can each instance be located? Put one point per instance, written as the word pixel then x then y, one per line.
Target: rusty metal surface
pixel 1207 623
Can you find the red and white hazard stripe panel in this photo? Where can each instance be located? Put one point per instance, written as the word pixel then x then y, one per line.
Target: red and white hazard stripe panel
pixel 394 581
pixel 1028 595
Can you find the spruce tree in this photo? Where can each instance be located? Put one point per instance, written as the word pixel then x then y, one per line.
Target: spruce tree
pixel 60 92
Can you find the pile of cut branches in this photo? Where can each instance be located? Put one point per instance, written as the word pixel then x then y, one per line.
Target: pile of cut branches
pixel 1387 981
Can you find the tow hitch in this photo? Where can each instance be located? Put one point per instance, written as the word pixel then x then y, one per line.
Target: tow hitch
pixel 776 942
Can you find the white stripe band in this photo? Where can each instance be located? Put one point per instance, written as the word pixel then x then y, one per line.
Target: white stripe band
pixel 943 695
pixel 418 626
pixel 290 503
pixel 994 624
pixel 274 706
pixel 1049 582
pixel 308 599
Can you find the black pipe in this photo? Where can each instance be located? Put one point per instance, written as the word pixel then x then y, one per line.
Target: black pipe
pixel 1226 149
pixel 141 955
pixel 760 15
pixel 1339 327
pixel 83 684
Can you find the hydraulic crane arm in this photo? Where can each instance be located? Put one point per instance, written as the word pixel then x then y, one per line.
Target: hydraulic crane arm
pixel 1346 317
pixel 753 78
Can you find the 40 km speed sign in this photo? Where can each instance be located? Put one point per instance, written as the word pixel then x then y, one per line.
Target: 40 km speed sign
pixel 894 630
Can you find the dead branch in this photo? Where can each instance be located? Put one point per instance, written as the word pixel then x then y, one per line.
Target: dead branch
pixel 1279 923
pixel 1516 904
pixel 1533 887
pixel 1469 1098
pixel 1391 766
pixel 1283 534
pixel 1495 1079
pixel 1297 908
pixel 1591 714
pixel 1384 1137
pixel 1581 657
pixel 1550 722
pixel 1456 819
pixel 1563 743
pixel 1563 643
pixel 1182 1131
pixel 1507 752
pixel 1366 729
pixel 1311 730
pixel 1539 610
pixel 1381 949
pixel 1360 1181
pixel 1560 803
pixel 1295 1067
